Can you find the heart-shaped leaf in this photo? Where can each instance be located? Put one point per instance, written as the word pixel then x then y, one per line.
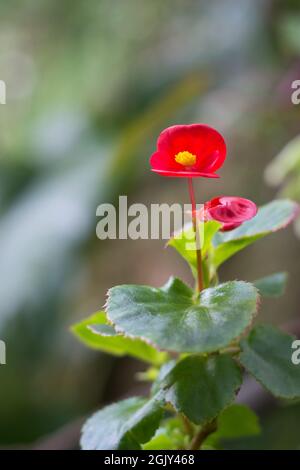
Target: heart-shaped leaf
pixel 124 425
pixel 172 319
pixel 201 387
pixel 267 355
pixel 97 333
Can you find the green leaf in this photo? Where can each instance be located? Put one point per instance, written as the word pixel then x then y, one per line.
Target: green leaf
pixel 170 436
pixel 174 287
pixel 172 319
pixel 183 241
pixel 273 285
pixel 163 372
pixel 124 425
pixel 161 441
pixel 97 333
pixel 201 387
pixel 270 218
pixel 267 355
pixel 236 421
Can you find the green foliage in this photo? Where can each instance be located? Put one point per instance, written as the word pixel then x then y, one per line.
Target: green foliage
pixel 234 422
pixel 169 436
pixel 237 421
pixel 161 441
pixel 172 318
pixel 273 285
pixel 183 241
pixel 97 333
pixel 201 332
pixel 270 218
pixel 267 355
pixel 201 387
pixel 123 425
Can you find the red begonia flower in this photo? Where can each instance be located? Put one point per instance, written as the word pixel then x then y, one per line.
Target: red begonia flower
pixel 229 210
pixel 189 151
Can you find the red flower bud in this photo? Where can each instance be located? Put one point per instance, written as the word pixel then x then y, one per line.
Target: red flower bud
pixel 189 151
pixel 229 210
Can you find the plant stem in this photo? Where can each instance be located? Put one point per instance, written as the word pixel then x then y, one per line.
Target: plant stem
pixel 187 425
pixel 230 350
pixel 204 432
pixel 197 237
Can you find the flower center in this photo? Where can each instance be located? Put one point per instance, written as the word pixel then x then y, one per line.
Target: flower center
pixel 185 158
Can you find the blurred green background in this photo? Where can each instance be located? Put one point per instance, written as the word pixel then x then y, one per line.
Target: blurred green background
pixel 90 84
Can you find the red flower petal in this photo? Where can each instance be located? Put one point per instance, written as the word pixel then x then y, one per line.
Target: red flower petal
pixel 229 210
pixel 185 174
pixel 198 139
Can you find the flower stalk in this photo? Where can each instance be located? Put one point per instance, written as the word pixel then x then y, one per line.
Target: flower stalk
pixel 197 236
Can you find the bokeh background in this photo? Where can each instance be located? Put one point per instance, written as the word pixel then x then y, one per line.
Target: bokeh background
pixel 90 84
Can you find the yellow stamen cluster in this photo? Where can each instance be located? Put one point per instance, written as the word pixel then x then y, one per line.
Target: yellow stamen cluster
pixel 185 158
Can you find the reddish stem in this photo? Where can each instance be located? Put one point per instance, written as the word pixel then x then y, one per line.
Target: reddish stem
pixel 204 432
pixel 197 236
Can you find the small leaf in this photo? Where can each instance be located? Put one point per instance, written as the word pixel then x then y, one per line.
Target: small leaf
pixel 175 287
pixel 201 387
pixel 124 425
pixel 98 334
pixel 267 355
pixel 236 421
pixel 273 285
pixel 183 241
pixel 161 441
pixel 170 436
pixel 270 218
pixel 172 319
